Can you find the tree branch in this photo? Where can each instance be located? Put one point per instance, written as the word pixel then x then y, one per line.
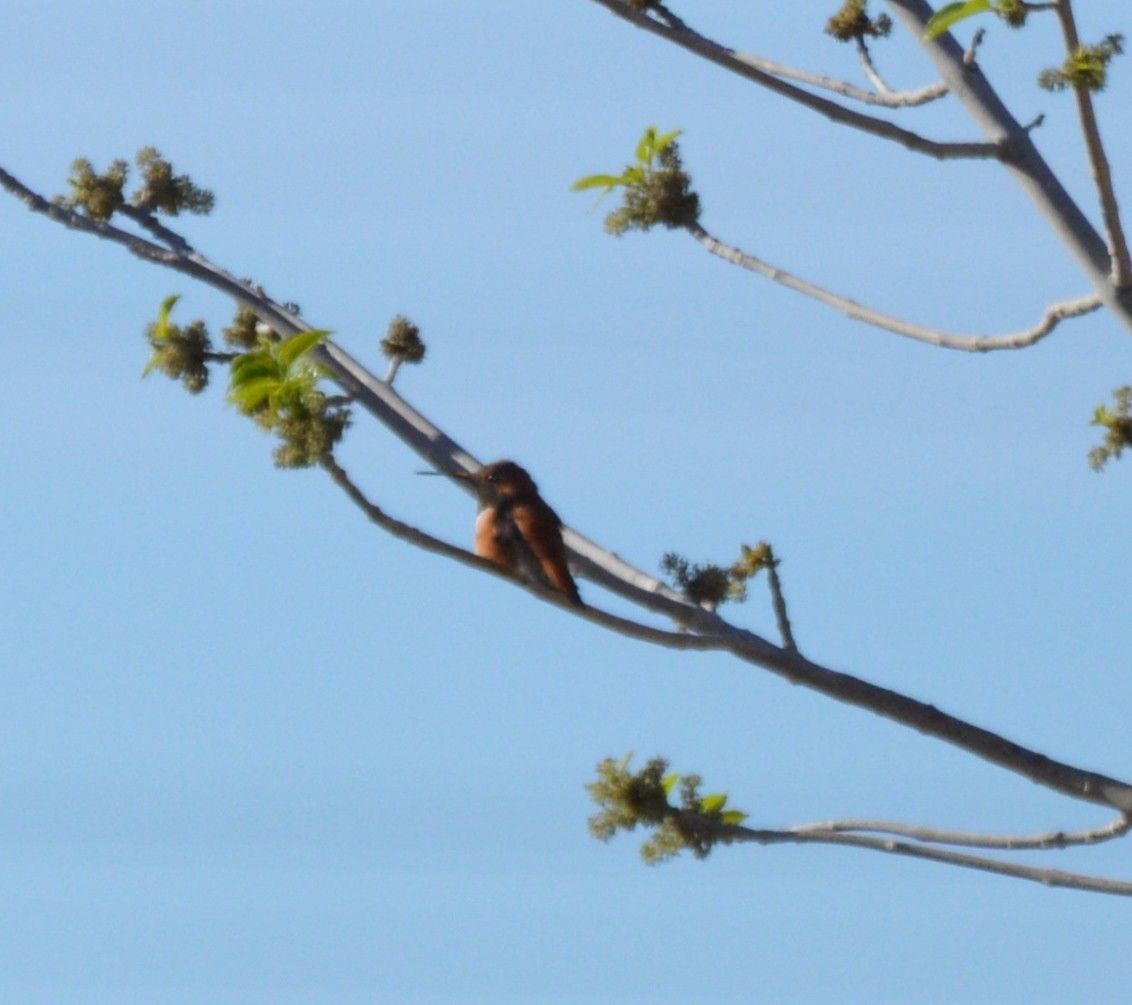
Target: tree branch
pixel 1009 142
pixel 882 96
pixel 146 219
pixel 680 34
pixel 931 835
pixel 1021 158
pixel 1098 160
pixel 734 834
pixel 779 601
pixel 1051 318
pixel 706 630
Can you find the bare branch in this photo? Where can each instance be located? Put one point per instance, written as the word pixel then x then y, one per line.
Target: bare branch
pixel 77 221
pixel 146 219
pixel 1051 318
pixel 779 601
pixel 422 539
pixel 729 59
pixel 1021 158
pixel 870 70
pixel 706 629
pixel 932 835
pixel 1047 877
pixel 1098 159
pixel 1008 141
pixel 883 96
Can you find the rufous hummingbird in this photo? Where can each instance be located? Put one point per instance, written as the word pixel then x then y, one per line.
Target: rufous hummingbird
pixel 518 531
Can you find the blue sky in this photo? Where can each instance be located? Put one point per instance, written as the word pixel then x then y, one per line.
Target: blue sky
pixel 252 750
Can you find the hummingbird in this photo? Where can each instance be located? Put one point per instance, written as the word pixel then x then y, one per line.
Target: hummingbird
pixel 518 531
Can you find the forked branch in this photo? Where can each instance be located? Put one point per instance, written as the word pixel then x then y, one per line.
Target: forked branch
pixel 914 849
pixel 933 835
pixel 702 629
pixel 1105 263
pixel 1098 159
pixel 748 67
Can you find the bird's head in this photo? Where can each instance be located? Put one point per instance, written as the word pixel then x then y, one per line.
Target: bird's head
pixel 505 479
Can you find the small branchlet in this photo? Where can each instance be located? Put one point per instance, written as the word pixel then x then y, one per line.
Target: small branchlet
pixel 852 23
pixel 1117 423
pixel 100 196
pixel 402 344
pixel 276 385
pixel 657 189
pixel 180 353
pixel 1086 67
pixel 627 799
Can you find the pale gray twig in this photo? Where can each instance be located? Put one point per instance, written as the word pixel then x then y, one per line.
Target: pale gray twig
pixel 1051 318
pixel 738 834
pixel 1021 158
pixel 1098 159
pixel 779 602
pixel 729 59
pixel 885 98
pixel 934 835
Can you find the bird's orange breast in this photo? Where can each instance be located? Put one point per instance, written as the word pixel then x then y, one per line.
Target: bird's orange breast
pixel 525 537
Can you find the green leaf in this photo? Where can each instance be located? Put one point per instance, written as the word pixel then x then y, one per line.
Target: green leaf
pixel 666 140
pixel 606 181
pixel 251 395
pixel 161 332
pixel 292 348
pixel 733 817
pixel 646 146
pixel 669 782
pixel 951 14
pixel 636 175
pixel 255 366
pixel 713 803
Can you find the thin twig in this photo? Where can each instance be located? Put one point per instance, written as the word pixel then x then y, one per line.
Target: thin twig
pixel 729 59
pixel 870 70
pixel 1021 157
pixel 934 835
pixel 422 539
pixel 885 99
pixel 779 602
pixel 737 834
pixel 1051 318
pixel 1098 159
pixel 146 219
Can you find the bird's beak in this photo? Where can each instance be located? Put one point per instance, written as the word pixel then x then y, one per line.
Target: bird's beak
pixel 464 475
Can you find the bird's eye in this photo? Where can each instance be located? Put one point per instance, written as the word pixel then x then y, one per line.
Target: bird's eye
pixel 493 477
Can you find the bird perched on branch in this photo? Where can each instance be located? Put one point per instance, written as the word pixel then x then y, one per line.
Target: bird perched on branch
pixel 517 529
